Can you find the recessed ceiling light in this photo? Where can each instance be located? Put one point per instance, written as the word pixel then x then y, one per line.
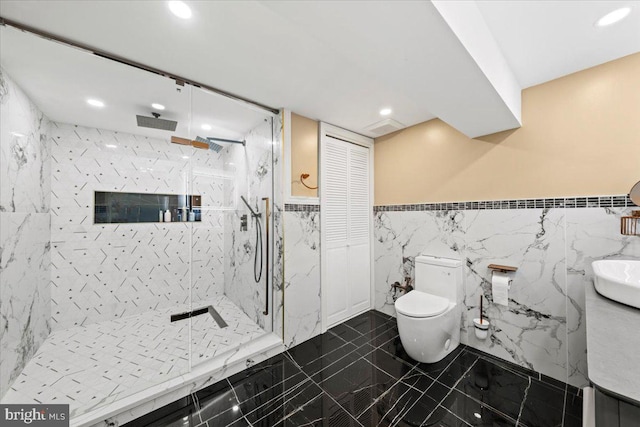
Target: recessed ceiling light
pixel 157 106
pixel 111 146
pixel 18 134
pixel 206 127
pixel 477 415
pixel 180 9
pixel 613 17
pixel 185 157
pixel 385 111
pixel 95 103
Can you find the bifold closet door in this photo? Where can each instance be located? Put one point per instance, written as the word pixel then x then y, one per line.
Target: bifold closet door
pixel 346 205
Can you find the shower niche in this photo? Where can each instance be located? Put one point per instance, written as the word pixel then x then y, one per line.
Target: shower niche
pixel 118 208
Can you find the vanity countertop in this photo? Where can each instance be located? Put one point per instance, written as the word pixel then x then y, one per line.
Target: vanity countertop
pixel 613 345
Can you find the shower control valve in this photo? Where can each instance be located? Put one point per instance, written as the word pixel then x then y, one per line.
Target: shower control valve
pixel 243 222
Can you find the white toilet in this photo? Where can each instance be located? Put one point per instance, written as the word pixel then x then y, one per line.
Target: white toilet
pixel 429 315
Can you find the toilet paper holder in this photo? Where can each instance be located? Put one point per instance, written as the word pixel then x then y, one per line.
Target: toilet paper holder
pixel 502 268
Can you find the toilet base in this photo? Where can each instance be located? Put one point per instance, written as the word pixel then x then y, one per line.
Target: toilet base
pixel 430 339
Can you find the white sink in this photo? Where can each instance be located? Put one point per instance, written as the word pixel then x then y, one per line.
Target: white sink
pixel 618 280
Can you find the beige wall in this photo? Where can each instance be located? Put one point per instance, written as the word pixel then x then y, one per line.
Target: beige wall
pixel 304 155
pixel 580 136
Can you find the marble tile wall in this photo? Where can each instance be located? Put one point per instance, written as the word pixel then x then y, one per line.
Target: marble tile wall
pixel 302 276
pixel 25 183
pixel 543 326
pixel 592 234
pixel 105 271
pixel 254 179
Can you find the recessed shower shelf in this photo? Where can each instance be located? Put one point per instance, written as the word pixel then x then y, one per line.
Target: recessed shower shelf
pixel 122 208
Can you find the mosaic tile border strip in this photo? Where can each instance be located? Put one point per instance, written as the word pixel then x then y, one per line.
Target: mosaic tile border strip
pixel 294 207
pixel 562 202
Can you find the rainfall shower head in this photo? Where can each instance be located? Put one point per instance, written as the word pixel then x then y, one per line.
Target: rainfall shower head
pixel 212 145
pixel 156 122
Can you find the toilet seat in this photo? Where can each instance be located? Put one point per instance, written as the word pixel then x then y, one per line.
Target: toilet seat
pixel 421 304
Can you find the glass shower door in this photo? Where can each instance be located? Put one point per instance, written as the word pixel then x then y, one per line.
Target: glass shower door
pixel 231 268
pixel 112 271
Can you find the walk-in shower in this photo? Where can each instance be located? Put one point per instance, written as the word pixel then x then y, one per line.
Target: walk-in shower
pixel 124 271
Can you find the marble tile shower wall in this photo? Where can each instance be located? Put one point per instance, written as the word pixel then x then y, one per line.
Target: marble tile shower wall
pixel 255 161
pixel 105 271
pixel 543 328
pixel 25 297
pixel 302 274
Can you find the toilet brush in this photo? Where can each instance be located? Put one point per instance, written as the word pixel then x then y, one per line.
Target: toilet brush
pixel 481 326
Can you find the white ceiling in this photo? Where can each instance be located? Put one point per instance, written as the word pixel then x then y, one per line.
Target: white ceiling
pixel 341 62
pixel 544 40
pixel 60 79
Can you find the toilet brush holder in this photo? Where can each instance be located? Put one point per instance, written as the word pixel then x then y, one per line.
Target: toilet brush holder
pixel 481 328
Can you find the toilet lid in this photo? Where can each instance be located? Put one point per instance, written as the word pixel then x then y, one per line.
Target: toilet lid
pixel 421 304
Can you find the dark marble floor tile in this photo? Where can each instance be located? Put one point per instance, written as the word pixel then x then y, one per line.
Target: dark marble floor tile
pixel 395 348
pixel 242 422
pixel 474 412
pixel 315 348
pixel 573 405
pixel 560 385
pixel 502 390
pixel 345 333
pixel 225 418
pixel 392 365
pixel 262 381
pixel 418 379
pixel 213 392
pixel 218 401
pixel 357 385
pixel 363 339
pixel 326 361
pixel 190 420
pixel 383 315
pixel 371 381
pixel 441 417
pixel 456 369
pixel 571 421
pixel 182 413
pixel 336 367
pixel 365 349
pixel 321 411
pixel 520 370
pixel 391 407
pixel 271 411
pixel 419 412
pixel 543 405
pixel 453 373
pixel 571 389
pixel 437 392
pixel 384 336
pixel 368 322
pixel 435 369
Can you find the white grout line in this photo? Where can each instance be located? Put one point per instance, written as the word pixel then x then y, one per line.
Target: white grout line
pixel 524 399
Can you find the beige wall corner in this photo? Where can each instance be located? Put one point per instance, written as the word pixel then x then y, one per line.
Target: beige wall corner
pixel 580 136
pixel 304 155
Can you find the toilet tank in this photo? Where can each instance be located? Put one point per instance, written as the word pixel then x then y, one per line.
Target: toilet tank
pixel 439 276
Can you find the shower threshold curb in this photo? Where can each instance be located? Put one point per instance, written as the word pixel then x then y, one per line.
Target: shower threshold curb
pixel 143 402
